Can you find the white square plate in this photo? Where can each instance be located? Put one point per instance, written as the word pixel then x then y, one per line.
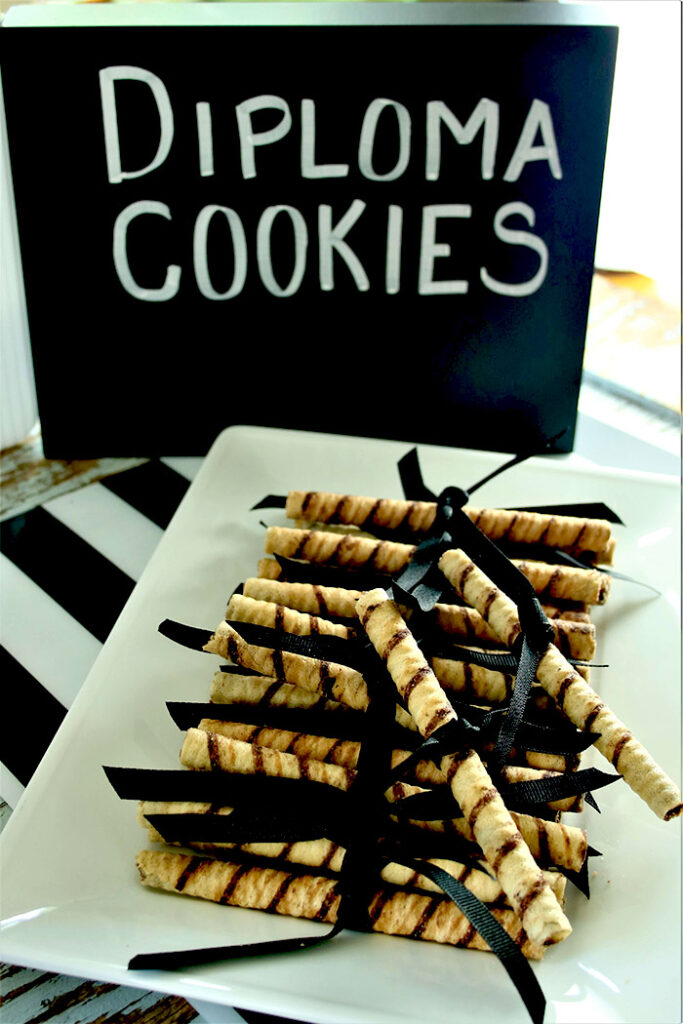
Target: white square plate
pixel 71 900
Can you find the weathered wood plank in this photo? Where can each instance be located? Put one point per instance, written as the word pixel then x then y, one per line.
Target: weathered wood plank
pixel 28 479
pixel 36 997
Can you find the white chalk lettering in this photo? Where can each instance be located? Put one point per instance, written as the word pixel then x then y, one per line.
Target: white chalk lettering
pixel 124 72
pixel 430 250
pixel 538 119
pixel 517 238
pixel 368 132
pixel 392 267
pixel 205 140
pixel 249 139
pixel 309 168
pixel 264 255
pixel 199 247
pixel 331 239
pixel 486 114
pixel 172 281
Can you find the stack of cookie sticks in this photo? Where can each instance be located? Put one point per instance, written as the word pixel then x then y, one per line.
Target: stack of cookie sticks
pixel 396 738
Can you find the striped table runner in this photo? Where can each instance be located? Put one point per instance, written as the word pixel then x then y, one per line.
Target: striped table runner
pixel 67 567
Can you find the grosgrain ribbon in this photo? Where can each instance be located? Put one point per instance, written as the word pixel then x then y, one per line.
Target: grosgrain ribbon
pixel 452 527
pixel 415 489
pixel 477 913
pixel 296 571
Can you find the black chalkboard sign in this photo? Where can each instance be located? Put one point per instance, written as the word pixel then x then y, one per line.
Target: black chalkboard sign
pixel 383 226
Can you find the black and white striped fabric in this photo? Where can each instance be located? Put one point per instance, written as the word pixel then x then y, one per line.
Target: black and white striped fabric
pixel 67 568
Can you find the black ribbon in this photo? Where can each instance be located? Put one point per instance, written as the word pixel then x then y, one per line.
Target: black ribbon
pixel 225 789
pixel 496 660
pixel 187 636
pixel 271 501
pixel 179 959
pixel 478 914
pixel 346 724
pixel 295 571
pixel 415 489
pixel 453 527
pixel 529 796
pixel 526 673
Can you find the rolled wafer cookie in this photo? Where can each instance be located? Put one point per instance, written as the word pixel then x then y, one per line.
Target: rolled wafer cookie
pixel 568 532
pixel 606 556
pixel 322 853
pixel 470 680
pixel 536 759
pixel 329 602
pixel 345 752
pixel 499 838
pixel 349 551
pixel 278 616
pixel 269 569
pixel 461 676
pixel 317 898
pixel 551 843
pixel 565 581
pixel 320 748
pixel 576 611
pixel 268 692
pixel 509 774
pixel 306 745
pixel 307 524
pixel 207 751
pixel 490 686
pixel 480 883
pixel 333 681
pixel 204 750
pixel 360 510
pixel 573 534
pixel 571 693
pixel 339 549
pixel 337 682
pixel 575 639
